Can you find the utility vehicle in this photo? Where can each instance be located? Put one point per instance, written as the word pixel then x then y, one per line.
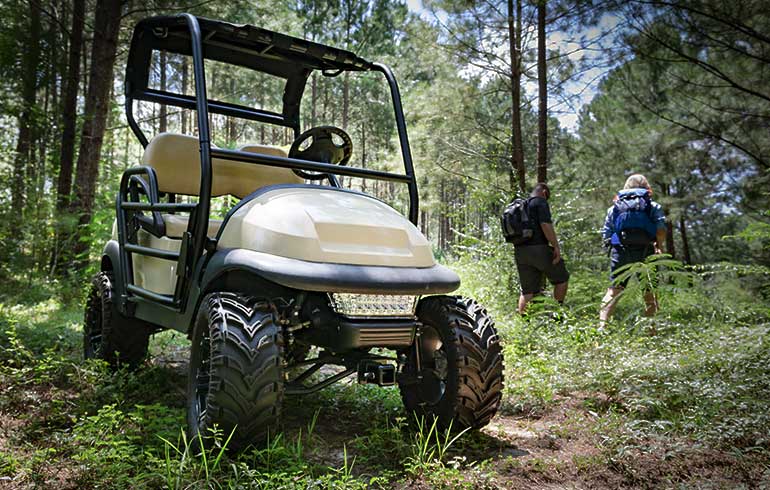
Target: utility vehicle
pixel 300 274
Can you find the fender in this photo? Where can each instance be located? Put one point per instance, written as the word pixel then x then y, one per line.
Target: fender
pixel 325 277
pixel 111 253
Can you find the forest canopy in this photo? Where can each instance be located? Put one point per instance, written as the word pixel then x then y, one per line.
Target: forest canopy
pixel 675 90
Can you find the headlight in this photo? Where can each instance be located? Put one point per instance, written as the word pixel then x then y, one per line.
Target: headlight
pixel 368 305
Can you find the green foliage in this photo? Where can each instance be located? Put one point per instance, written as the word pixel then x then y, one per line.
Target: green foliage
pixel 430 446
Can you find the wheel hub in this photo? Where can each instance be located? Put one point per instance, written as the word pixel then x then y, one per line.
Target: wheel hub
pixel 435 367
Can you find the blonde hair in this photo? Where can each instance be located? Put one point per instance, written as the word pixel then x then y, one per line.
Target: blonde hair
pixel 637 181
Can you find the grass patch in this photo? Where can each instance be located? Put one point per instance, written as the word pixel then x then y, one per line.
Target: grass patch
pixel 685 391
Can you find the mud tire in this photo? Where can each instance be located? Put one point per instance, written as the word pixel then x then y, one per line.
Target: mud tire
pixel 473 381
pixel 108 335
pixel 236 371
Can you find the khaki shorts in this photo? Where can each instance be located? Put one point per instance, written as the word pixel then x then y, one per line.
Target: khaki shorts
pixel 535 262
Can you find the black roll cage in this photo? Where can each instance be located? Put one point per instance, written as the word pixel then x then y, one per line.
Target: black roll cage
pixel 277 54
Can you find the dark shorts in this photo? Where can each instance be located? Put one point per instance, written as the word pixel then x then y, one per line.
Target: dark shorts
pixel 621 256
pixel 535 262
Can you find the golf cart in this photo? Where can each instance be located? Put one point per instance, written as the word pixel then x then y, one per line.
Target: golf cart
pixel 300 274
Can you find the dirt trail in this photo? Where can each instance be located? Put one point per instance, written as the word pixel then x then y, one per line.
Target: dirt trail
pixel 560 447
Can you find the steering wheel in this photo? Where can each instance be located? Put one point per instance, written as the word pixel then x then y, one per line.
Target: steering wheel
pixel 322 149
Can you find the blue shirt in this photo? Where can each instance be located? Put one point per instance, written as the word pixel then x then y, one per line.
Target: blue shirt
pixel 656 214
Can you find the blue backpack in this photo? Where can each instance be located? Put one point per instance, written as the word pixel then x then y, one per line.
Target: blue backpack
pixel 632 219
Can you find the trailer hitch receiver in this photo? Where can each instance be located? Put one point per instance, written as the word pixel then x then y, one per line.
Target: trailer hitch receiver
pixel 374 372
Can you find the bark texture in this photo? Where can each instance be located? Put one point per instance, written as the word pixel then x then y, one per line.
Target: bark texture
pixel 517 149
pixel 106 30
pixel 69 106
pixel 542 94
pixel 26 140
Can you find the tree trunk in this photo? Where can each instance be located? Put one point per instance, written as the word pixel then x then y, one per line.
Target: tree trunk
pixel 542 84
pixel 441 218
pixel 230 121
pixel 26 139
pixel 103 51
pixel 185 75
pixel 163 125
pixel 69 118
pixel 69 107
pixel 517 151
pixel 346 76
pixel 345 99
pixel 314 99
pixel 363 154
pixel 685 241
pixel 324 114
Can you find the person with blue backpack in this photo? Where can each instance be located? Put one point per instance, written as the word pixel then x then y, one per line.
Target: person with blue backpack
pixel 634 229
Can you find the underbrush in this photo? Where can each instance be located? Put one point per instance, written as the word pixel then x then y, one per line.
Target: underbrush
pixel 695 377
pixel 69 423
pixel 698 370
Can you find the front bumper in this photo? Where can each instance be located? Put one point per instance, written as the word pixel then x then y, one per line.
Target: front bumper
pixel 334 278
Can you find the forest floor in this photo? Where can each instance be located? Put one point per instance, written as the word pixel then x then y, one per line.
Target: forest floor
pixel 66 423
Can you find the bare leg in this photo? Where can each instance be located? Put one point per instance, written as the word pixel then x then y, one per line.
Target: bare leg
pixel 608 305
pixel 523 300
pixel 652 303
pixel 560 291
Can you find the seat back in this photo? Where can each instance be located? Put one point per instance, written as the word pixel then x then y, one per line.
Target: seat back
pixel 176 160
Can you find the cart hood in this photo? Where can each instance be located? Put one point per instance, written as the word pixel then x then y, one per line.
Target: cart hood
pixel 324 224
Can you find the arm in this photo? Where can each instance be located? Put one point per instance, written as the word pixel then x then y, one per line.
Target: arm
pixel 660 239
pixel 550 235
pixel 608 229
pixel 660 227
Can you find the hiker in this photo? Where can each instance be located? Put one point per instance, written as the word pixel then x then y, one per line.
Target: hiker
pixel 537 252
pixel 634 229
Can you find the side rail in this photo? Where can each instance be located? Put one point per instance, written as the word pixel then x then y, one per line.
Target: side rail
pixel 129 219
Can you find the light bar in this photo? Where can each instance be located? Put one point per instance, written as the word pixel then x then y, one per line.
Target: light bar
pixel 373 305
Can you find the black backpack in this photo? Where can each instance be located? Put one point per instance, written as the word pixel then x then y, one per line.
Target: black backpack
pixel 516 222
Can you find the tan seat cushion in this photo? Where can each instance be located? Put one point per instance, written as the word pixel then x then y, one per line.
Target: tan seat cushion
pixel 176 160
pixel 176 225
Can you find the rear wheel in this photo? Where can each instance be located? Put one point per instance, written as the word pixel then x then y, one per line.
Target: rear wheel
pixel 460 379
pixel 108 335
pixel 236 372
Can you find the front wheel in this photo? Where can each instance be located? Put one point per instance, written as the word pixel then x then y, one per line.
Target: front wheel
pixel 460 379
pixel 236 371
pixel 108 335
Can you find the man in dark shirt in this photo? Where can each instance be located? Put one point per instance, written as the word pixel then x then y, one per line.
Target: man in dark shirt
pixel 540 256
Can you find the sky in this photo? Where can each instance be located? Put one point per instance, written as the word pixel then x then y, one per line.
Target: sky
pixel 582 88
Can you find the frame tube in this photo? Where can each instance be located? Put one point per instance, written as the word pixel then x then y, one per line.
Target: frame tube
pixel 403 139
pixel 199 221
pixel 215 107
pixel 275 161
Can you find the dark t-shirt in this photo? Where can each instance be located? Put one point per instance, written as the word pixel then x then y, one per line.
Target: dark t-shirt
pixel 539 212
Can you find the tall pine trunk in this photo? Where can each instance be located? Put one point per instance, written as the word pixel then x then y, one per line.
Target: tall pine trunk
pixel 69 107
pixel 26 139
pixel 185 75
pixel 685 240
pixel 517 150
pixel 542 84
pixel 103 51
pixel 163 124
pixel 670 244
pixel 313 99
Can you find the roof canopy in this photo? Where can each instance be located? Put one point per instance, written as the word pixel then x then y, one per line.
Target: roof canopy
pixel 252 47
